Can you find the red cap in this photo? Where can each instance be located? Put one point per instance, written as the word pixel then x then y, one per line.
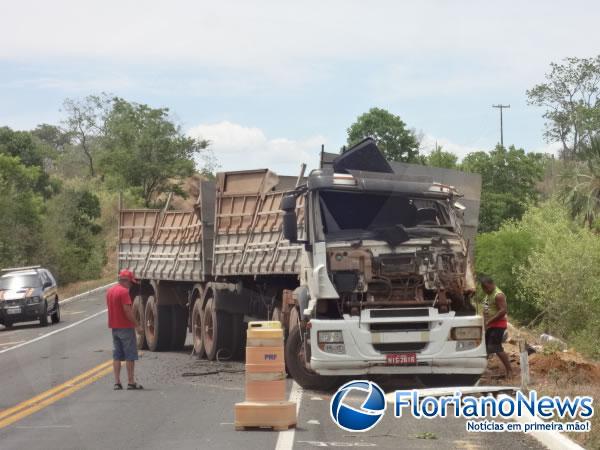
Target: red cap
pixel 127 274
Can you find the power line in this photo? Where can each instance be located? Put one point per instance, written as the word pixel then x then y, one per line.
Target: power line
pixel 501 107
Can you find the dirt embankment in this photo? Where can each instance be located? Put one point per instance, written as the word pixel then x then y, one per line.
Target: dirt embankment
pixel 552 372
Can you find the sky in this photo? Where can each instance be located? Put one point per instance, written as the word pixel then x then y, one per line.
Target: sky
pixel 269 82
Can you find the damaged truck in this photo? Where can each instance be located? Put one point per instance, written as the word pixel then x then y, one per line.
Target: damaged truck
pixel 367 264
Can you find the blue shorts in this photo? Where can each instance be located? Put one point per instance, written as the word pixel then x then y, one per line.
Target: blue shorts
pixel 124 344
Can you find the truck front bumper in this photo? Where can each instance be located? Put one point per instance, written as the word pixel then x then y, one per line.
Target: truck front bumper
pixel 436 353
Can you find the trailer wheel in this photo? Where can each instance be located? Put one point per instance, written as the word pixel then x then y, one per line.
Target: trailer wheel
pixel 295 364
pixel 179 327
pixel 157 325
pixel 215 325
pixel 197 329
pixel 140 315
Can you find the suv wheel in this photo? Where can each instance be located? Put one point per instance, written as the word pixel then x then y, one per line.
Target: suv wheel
pixel 56 314
pixel 44 316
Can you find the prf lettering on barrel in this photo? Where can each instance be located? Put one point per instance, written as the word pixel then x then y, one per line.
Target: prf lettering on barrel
pixel 270 357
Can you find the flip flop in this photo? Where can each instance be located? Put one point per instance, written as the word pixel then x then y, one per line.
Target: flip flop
pixel 134 387
pixel 118 387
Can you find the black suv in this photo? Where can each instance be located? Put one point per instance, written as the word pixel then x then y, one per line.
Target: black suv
pixel 26 294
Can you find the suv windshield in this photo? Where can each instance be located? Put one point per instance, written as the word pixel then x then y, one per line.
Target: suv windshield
pixel 371 212
pixel 20 281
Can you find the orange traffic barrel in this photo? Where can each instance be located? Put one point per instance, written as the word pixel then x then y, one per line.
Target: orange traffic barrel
pixel 265 404
pixel 265 367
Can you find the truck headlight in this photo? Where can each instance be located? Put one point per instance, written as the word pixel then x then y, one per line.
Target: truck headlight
pixel 465 333
pixel 331 342
pixel 466 345
pixel 330 337
pixel 33 300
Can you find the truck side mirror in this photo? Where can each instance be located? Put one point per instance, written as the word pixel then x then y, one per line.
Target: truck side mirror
pixel 290 221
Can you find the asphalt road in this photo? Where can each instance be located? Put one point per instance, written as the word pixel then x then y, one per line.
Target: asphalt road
pixel 183 404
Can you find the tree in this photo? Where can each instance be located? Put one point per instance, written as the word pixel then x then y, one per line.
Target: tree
pixel 581 184
pixel 85 123
pixel 31 153
pixel 145 150
pixel 53 136
pixel 72 246
pixel 397 142
pixel 509 178
pixel 571 97
pixel 441 158
pixel 23 145
pixel 21 206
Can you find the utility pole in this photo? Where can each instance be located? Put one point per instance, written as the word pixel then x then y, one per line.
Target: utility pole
pixel 501 107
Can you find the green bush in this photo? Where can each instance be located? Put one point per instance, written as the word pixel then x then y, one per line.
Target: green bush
pixel 73 247
pixel 562 278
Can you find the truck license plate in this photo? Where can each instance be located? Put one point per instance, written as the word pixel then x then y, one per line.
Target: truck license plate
pixel 401 359
pixel 16 310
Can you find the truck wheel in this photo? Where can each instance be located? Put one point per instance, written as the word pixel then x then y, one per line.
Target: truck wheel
pixel 44 316
pixel 179 327
pixel 446 380
pixel 7 324
pixel 295 364
pixel 215 325
pixel 197 329
pixel 238 341
pixel 157 326
pixel 140 315
pixel 56 314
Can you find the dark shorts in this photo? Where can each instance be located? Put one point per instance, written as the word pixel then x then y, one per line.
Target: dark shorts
pixel 124 344
pixel 493 340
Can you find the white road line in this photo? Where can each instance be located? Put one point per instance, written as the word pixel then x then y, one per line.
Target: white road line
pixel 4 344
pixel 78 296
pixel 285 440
pixel 43 336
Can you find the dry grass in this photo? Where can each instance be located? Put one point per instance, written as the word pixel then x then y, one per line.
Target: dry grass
pixel 561 373
pixel 69 290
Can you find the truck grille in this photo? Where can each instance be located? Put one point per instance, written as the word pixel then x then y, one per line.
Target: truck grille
pixel 400 326
pixel 379 313
pixel 400 347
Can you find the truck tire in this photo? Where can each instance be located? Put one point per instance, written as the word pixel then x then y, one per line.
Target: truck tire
pixel 238 345
pixel 44 316
pixel 215 328
pixel 295 364
pixel 140 315
pixel 55 317
pixel 197 329
pixel 157 327
pixel 179 327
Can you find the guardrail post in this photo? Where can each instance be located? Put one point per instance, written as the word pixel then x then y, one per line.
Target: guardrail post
pixel 524 360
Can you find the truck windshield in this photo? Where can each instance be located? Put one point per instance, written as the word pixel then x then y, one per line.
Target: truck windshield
pixel 19 281
pixel 366 213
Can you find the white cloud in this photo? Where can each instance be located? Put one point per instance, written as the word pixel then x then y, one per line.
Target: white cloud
pixel 429 142
pixel 287 40
pixel 238 147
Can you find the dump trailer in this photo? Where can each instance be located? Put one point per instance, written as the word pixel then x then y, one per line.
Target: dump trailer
pixel 367 264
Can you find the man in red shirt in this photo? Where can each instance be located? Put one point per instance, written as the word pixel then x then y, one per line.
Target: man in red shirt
pixel 122 322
